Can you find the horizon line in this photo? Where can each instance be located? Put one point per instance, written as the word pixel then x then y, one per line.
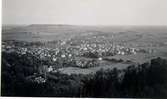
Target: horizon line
pixel 75 24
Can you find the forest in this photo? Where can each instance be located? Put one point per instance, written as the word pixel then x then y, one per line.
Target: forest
pixel 144 80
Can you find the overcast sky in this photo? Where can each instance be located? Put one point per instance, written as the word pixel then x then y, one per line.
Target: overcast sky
pixel 85 12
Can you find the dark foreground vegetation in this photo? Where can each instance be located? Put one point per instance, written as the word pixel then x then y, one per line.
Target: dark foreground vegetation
pixel 145 80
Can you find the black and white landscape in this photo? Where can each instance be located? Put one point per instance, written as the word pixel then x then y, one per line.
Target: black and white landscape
pixel 84 48
pixel 84 61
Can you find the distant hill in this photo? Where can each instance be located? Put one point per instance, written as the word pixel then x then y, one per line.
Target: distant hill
pixel 60 28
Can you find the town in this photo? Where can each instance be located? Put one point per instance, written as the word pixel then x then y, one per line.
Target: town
pixel 82 53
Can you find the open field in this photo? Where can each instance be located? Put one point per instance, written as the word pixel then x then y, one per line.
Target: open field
pixel 92 70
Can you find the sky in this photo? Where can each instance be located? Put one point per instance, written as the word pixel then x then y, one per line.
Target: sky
pixel 85 12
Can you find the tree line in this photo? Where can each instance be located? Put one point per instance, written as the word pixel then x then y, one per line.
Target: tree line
pixel 145 80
